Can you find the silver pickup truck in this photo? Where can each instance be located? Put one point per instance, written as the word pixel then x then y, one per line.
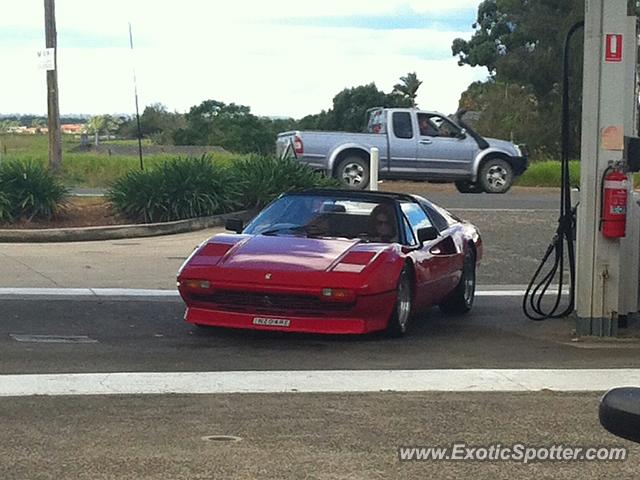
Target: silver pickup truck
pixel 414 145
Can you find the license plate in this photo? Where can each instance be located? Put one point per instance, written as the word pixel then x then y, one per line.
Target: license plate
pixel 271 322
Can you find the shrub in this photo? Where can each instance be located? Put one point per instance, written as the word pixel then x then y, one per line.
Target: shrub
pixel 5 208
pixel 176 190
pixel 264 178
pixel 29 191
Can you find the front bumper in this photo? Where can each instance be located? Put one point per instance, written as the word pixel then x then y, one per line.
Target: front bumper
pixel 519 165
pixel 368 314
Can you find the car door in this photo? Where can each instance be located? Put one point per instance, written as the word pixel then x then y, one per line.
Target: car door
pixel 444 151
pixel 402 143
pixel 431 262
pixel 447 247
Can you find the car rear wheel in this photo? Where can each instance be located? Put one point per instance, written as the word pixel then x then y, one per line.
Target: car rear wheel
pixel 461 299
pixel 353 172
pixel 401 315
pixel 496 176
pixel 465 186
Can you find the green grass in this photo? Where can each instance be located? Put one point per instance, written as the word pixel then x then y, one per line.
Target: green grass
pixel 86 169
pixel 547 174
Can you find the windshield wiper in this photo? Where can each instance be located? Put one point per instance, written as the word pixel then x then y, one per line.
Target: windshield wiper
pixel 275 231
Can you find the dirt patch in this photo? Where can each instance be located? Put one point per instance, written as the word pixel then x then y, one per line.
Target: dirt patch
pixel 80 212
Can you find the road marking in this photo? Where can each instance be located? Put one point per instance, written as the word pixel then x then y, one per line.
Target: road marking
pixel 320 381
pixel 513 293
pixel 493 291
pixel 527 210
pixel 86 292
pixel 52 338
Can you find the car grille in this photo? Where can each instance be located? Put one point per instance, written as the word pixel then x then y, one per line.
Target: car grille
pixel 236 301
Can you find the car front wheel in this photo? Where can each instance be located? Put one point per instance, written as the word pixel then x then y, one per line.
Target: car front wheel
pixel 399 320
pixel 461 299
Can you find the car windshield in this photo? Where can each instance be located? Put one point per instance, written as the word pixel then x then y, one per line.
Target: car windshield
pixel 325 216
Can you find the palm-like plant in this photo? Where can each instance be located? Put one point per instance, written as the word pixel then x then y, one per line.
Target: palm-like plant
pixel 409 87
pixel 101 124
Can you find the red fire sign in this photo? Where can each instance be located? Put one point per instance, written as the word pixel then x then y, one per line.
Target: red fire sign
pixel 613 47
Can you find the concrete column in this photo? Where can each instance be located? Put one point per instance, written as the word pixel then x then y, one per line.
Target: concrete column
pixel 608 112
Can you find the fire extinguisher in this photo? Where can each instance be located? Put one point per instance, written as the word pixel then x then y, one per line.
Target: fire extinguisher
pixel 615 190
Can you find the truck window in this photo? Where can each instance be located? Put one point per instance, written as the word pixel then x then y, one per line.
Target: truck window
pixel 444 127
pixel 377 122
pixel 402 127
pixel 427 129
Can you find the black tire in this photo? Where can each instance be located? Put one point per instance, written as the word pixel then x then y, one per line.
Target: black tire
pixel 460 300
pixel 400 318
pixel 465 186
pixel 495 175
pixel 353 172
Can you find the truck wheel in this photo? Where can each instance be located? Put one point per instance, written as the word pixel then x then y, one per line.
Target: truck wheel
pixel 496 176
pixel 465 186
pixel 353 172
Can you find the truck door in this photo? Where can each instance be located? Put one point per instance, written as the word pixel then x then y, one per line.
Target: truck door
pixel 402 143
pixel 444 150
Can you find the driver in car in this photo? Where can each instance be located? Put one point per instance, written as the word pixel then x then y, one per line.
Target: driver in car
pixel 382 225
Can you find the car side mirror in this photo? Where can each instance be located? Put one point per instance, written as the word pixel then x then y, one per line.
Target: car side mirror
pixel 620 412
pixel 462 134
pixel 427 233
pixel 234 225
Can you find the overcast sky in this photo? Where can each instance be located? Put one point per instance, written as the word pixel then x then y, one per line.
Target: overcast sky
pixel 280 57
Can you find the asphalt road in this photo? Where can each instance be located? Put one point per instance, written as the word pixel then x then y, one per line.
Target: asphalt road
pixel 520 198
pixel 151 336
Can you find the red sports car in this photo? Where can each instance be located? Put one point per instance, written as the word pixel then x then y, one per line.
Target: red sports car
pixel 333 261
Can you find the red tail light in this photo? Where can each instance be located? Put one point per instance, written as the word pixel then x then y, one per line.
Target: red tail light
pixel 298 147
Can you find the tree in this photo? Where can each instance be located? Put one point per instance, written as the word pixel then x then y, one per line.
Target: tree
pixel 351 104
pixel 521 44
pixel 99 124
pixel 38 124
pixel 8 125
pixel 408 87
pixel 159 124
pixel 231 126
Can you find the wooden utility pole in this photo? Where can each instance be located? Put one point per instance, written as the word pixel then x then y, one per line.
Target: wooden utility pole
pixel 53 109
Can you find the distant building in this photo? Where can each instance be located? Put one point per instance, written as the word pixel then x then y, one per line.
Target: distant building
pixel 72 128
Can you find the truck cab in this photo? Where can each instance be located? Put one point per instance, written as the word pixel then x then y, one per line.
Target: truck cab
pixel 414 145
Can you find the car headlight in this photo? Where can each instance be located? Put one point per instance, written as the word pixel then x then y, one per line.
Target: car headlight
pixel 518 150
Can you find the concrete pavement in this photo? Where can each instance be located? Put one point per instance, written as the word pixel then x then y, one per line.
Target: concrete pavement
pixel 132 263
pixel 313 436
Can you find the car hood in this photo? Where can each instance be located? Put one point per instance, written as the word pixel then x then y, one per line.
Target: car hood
pixel 285 253
pixel 504 145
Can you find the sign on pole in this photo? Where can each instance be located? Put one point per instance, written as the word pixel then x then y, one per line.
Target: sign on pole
pixel 613 48
pixel 46 59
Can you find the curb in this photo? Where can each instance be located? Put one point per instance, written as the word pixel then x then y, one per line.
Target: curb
pixel 115 232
